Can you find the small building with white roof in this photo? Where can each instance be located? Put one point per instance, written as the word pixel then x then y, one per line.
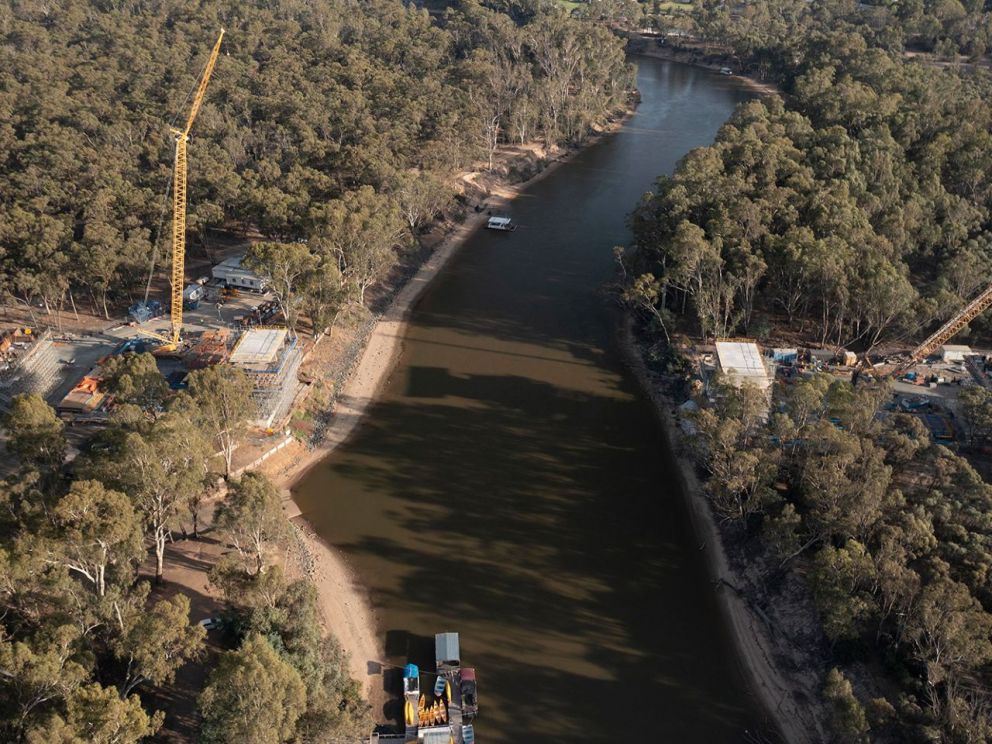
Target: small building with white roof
pixel 740 362
pixel 952 353
pixel 233 274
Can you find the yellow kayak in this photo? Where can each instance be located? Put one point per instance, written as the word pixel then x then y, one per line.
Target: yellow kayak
pixel 422 703
pixel 447 691
pixel 410 716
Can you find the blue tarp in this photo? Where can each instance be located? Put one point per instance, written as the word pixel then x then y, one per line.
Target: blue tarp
pixel 411 671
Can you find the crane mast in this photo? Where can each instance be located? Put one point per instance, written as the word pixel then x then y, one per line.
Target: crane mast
pixel 963 317
pixel 179 201
pixel 938 338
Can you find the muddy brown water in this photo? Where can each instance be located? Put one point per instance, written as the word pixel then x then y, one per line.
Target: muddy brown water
pixel 511 483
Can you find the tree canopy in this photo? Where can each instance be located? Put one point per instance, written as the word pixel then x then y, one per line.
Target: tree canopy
pixel 310 104
pixel 853 209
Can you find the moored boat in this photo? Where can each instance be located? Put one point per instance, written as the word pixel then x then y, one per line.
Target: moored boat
pixel 504 224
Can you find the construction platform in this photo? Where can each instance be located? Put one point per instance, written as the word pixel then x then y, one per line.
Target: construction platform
pixel 271 358
pixel 28 364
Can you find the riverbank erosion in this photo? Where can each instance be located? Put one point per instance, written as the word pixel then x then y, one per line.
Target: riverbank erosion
pixel 790 695
pixel 347 610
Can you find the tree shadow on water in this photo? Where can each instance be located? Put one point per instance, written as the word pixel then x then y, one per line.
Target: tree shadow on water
pixel 557 546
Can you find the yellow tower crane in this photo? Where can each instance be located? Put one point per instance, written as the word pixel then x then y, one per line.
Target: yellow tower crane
pixel 179 205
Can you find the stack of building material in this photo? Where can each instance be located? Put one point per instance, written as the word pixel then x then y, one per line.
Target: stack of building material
pixel 952 353
pixel 212 348
pixel 85 397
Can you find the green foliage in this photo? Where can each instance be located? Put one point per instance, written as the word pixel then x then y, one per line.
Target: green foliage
pixel 222 405
pixel 134 378
pixel 976 405
pixel 421 196
pixel 252 695
pixel 160 465
pixel 97 715
pixel 308 104
pixel 891 532
pixel 291 624
pixel 96 529
pixel 860 206
pixel 48 666
pixel 360 231
pixel 336 707
pixel 287 266
pixel 156 640
pixel 841 579
pixel 741 471
pixel 36 435
pixel 848 717
pixel 252 519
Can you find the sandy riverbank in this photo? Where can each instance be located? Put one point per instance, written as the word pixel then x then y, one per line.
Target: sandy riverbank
pixel 780 696
pixel 345 603
pixel 695 58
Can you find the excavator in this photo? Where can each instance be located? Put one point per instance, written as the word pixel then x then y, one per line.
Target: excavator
pixel 938 338
pixel 172 341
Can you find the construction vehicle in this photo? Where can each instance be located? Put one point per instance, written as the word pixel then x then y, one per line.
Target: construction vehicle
pixel 142 312
pixel 179 209
pixel 192 296
pixel 934 341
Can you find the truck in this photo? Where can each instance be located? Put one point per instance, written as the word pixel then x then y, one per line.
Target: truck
pixel 142 312
pixel 192 296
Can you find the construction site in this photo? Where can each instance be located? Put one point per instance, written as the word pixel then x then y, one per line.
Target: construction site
pixel 925 382
pixel 225 316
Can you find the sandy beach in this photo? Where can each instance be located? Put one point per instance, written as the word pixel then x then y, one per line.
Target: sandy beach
pixel 345 603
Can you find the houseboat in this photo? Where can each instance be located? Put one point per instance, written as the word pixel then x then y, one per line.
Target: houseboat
pixel 501 223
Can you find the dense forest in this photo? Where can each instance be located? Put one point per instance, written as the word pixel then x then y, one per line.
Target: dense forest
pixel 892 534
pixel 318 116
pixel 853 209
pixel 87 646
pixel 857 209
pixel 766 32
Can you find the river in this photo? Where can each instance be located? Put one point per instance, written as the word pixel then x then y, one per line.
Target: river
pixel 512 484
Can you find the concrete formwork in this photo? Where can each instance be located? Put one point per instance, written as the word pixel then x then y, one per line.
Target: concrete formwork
pixel 30 366
pixel 271 358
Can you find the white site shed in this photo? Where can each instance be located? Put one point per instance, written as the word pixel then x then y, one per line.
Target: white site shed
pixel 741 362
pixel 952 353
pixel 233 274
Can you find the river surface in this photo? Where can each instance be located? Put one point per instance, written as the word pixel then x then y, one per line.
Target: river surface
pixel 512 484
